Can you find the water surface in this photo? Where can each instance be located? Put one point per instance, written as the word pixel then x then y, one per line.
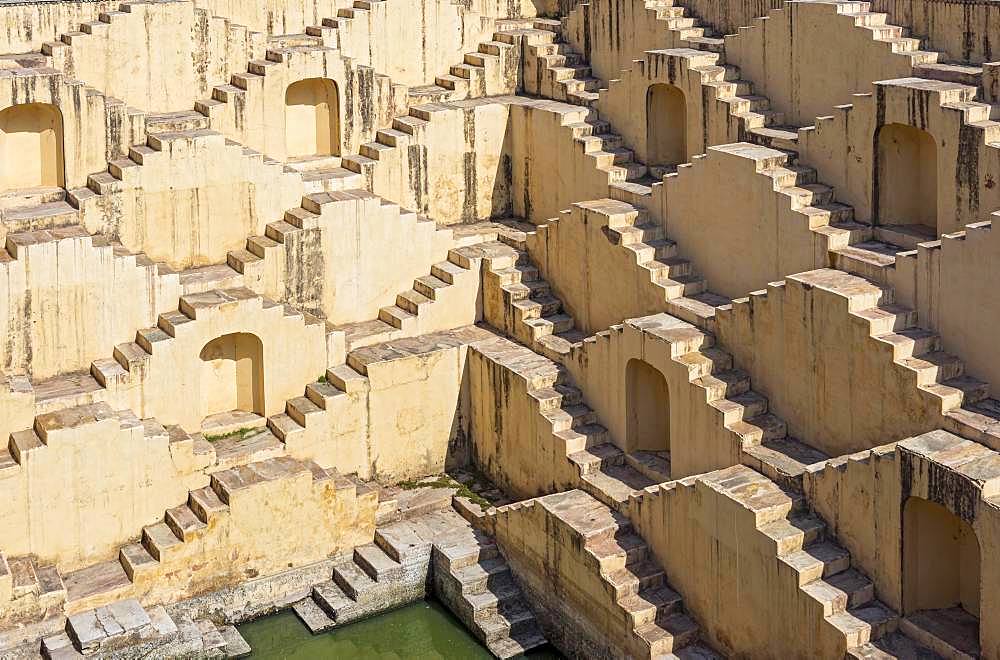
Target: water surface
pixel 421 631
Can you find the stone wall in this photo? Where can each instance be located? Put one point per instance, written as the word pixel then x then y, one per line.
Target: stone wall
pixel 69 298
pixel 256 116
pixel 451 162
pixel 158 56
pixel 848 394
pixel 513 441
pixel 952 286
pixel 575 253
pixel 964 165
pixel 764 613
pixel 413 42
pixel 778 53
pixel 189 199
pixel 562 580
pixel 97 479
pixel 965 31
pixel 862 496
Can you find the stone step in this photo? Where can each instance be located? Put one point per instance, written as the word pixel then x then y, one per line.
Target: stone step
pixel 354 581
pixel 509 620
pixel 313 616
pixel 669 634
pixel 379 566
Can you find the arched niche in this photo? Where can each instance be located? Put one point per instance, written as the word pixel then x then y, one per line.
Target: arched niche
pixel 906 178
pixel 666 126
pixel 941 559
pixel 31 147
pixel 232 374
pixel 647 407
pixel 312 118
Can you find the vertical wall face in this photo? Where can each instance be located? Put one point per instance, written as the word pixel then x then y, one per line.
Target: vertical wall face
pixel 31 146
pixel 648 408
pixel 940 559
pixel 964 31
pixel 666 125
pixel 233 374
pixel 906 180
pixel 312 122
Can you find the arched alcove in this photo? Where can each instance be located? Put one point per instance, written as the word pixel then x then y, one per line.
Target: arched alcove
pixel 31 146
pixel 312 118
pixel 941 562
pixel 666 126
pixel 232 374
pixel 906 180
pixel 647 402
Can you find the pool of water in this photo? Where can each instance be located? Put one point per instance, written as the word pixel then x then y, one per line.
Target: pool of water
pixel 421 631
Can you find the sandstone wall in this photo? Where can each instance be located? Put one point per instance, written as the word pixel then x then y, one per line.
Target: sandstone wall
pixel 576 253
pixel 418 405
pixel 158 56
pixel 68 299
pixel 189 199
pixel 181 381
pixel 413 42
pixel 705 120
pixel 965 31
pixel 451 163
pixel 87 479
pixel 861 497
pixel 720 227
pixel 847 394
pixel 952 286
pixel 964 165
pixel 282 517
pixel 82 137
pixel 551 169
pixel 610 34
pixel 706 537
pixel 550 558
pixel 275 16
pixel 779 54
pixel 662 342
pixel 96 480
pixel 256 115
pixel 28 26
pixel 512 440
pixel 327 267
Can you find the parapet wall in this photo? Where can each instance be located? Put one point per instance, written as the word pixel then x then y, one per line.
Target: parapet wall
pixel 96 480
pixel 862 499
pixel 157 56
pixel 966 30
pixel 951 284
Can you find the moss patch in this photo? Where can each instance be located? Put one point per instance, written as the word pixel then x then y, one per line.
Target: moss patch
pixel 243 434
pixel 448 482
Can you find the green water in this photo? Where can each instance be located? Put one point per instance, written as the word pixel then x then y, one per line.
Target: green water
pixel 421 631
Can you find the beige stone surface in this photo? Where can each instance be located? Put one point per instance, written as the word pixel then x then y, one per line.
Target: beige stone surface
pixel 951 284
pixel 258 254
pixel 125 473
pixel 954 177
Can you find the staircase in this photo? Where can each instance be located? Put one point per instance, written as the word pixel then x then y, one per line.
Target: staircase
pixel 469 574
pixel 656 624
pixel 534 317
pixel 475 581
pixel 106 582
pixel 413 313
pixel 130 363
pixel 527 310
pixel 842 595
pixel 918 358
pixel 370 581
